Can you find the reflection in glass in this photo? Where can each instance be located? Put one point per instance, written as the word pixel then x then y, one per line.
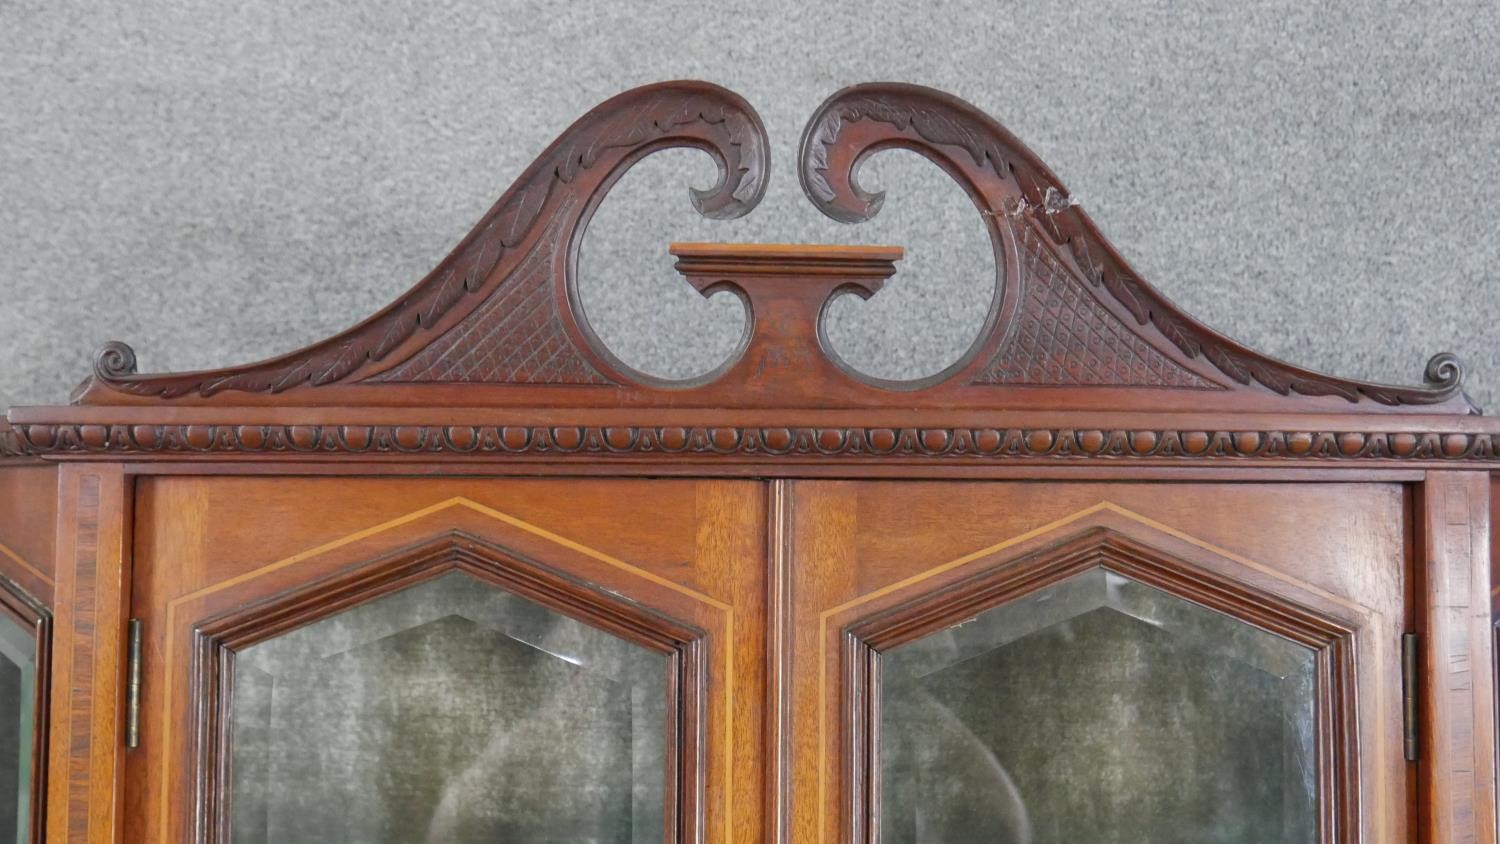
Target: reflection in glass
pixel 1103 710
pixel 451 711
pixel 17 728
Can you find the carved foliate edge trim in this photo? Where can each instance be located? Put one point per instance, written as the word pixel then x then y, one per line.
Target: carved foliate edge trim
pixel 1006 178
pixel 584 162
pixel 975 444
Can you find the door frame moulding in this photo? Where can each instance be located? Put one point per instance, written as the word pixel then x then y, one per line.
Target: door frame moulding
pixel 216 640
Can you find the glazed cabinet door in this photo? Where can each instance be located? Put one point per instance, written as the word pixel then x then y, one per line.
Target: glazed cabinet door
pixel 403 660
pixel 1101 662
pixel 28 500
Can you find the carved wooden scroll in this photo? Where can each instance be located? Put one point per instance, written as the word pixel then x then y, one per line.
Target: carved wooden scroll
pixel 499 322
pixel 494 311
pixel 1074 312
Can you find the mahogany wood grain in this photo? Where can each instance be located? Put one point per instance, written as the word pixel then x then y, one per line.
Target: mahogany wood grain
pixel 28 528
pixel 1069 319
pixel 28 572
pixel 690 551
pixel 780 643
pixel 85 766
pixel 772 503
pixel 1335 553
pixel 1458 725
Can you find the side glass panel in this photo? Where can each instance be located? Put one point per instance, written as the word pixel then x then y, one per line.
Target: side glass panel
pixel 18 649
pixel 449 711
pixel 1098 709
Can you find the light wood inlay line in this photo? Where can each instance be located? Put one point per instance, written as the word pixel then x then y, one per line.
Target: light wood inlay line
pixel 170 658
pixel 18 560
pixel 779 659
pixel 86 635
pixel 1360 611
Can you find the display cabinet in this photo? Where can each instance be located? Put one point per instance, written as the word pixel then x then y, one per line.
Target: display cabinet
pixel 461 574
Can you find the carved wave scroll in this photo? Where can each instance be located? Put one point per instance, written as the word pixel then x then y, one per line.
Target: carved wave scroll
pixel 526 240
pixel 1024 203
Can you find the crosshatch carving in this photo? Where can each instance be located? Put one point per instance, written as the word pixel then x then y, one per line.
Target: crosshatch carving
pixel 1063 335
pixel 516 336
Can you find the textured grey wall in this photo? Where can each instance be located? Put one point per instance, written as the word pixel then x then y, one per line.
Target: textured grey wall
pixel 215 183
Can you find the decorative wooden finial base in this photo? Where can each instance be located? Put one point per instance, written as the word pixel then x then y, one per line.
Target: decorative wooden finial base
pixel 786 288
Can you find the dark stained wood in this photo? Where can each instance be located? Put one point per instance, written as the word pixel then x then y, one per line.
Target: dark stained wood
pixel 498 322
pixel 752 516
pixel 775 442
pixel 508 280
pixel 28 528
pixel 1071 270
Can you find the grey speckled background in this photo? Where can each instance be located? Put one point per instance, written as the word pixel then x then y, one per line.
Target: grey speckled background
pixel 215 182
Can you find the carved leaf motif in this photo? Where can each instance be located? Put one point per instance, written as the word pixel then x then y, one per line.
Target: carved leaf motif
pixel 606 140
pixel 475 350
pixel 513 223
pixel 934 123
pixel 349 358
pixel 395 332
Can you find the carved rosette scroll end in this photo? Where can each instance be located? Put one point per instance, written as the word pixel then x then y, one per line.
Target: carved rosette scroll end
pixel 834 189
pixel 114 363
pixel 739 190
pixel 114 360
pixel 1444 375
pixel 1445 371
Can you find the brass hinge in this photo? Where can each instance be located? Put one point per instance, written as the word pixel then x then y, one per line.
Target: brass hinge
pixel 133 686
pixel 1409 686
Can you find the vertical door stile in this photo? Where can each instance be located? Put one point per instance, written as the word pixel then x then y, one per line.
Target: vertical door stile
pixel 1457 766
pixel 87 756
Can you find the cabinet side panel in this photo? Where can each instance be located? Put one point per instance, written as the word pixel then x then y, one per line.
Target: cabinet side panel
pixel 28 528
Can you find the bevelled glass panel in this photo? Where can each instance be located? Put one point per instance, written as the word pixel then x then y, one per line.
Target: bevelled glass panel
pixel 450 711
pixel 1098 709
pixel 17 728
